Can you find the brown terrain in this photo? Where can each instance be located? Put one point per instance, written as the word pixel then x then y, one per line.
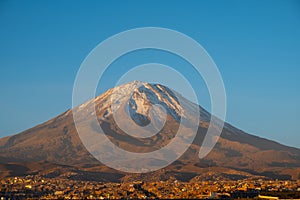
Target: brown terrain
pixel 54 149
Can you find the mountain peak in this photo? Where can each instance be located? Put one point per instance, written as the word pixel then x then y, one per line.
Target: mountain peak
pixel 56 145
pixel 140 97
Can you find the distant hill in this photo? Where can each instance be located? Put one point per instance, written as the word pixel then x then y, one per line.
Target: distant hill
pixel 54 149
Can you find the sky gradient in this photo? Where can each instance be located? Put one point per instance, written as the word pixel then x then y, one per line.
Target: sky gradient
pixel 255 44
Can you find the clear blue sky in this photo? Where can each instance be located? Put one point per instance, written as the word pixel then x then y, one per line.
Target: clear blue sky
pixel 256 45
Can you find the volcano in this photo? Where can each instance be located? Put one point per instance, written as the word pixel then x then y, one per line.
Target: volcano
pixel 55 149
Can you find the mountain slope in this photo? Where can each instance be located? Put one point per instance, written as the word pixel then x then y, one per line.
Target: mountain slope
pixel 55 149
